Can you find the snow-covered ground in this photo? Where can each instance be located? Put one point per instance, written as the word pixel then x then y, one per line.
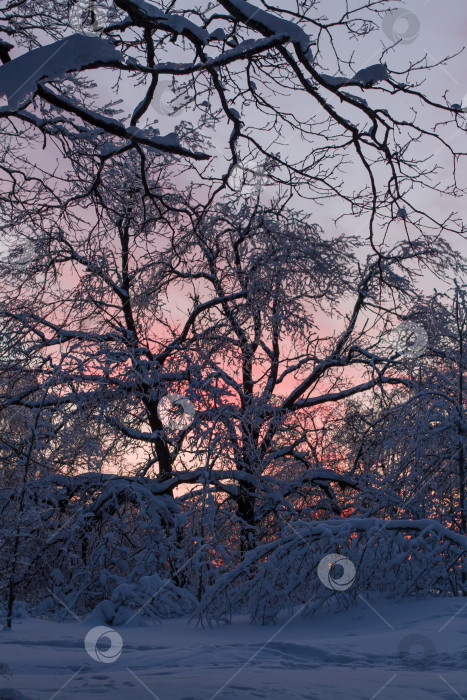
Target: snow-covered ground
pixel 368 652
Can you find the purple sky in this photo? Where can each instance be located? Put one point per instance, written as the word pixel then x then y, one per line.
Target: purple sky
pixel 427 27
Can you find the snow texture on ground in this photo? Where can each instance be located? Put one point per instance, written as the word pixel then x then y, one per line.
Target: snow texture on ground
pixel 380 649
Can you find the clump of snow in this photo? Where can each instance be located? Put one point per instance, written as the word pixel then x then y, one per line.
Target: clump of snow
pixel 152 596
pixel 107 613
pixel 366 77
pixel 334 80
pixel 371 75
pixel 218 34
pixel 355 98
pixel 135 602
pixel 19 77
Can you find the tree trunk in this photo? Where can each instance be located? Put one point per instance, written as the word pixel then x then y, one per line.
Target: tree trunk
pixel 162 448
pixel 246 513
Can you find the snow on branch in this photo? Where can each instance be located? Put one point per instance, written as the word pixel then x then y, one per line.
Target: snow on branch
pixel 393 557
pixel 269 24
pixel 366 77
pixel 169 143
pixel 19 77
pixel 141 11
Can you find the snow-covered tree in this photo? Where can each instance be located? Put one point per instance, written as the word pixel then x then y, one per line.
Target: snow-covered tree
pixel 156 257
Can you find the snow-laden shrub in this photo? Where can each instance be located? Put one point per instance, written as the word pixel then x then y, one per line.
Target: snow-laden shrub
pixel 151 596
pixel 121 548
pixel 391 557
pixel 96 539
